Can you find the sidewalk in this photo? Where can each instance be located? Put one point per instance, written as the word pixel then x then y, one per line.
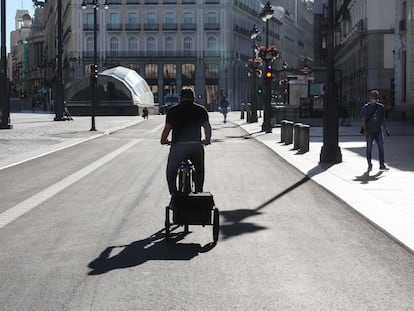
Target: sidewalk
pixel 385 198
pixel 36 134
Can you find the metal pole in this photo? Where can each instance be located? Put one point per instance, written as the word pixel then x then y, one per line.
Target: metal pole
pixel 59 86
pixel 253 96
pixel 267 127
pixel 5 96
pixel 95 65
pixel 330 152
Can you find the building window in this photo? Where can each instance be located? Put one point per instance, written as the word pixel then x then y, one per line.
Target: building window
pixel 188 71
pixel 170 71
pixel 212 71
pixel 151 18
pixel 188 18
pixel 89 45
pixel 114 46
pixel 89 19
pixel 212 17
pixel 133 46
pixel 211 44
pixel 132 18
pixel 187 45
pixel 169 18
pixel 169 45
pixel 151 44
pixel 151 71
pixel 114 21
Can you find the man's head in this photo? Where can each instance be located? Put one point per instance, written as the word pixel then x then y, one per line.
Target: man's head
pixel 374 94
pixel 186 95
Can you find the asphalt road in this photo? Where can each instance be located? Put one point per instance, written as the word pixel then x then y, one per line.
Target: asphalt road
pixel 89 235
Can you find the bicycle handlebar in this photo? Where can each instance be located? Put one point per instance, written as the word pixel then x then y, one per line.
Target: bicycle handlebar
pixel 203 142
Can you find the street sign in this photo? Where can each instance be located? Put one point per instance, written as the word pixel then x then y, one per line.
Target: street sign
pixel 305 70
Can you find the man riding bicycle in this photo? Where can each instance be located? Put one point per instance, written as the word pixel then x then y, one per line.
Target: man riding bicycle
pixel 185 120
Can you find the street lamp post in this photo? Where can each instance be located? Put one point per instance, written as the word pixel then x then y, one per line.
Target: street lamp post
pixel 253 97
pixel 94 74
pixel 267 14
pixel 4 89
pixel 59 87
pixel 330 152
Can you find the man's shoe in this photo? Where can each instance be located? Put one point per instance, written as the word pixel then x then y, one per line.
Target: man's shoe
pixel 369 167
pixel 383 168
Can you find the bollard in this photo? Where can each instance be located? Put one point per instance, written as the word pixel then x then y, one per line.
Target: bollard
pixel 248 112
pixel 304 138
pixel 288 132
pixel 296 129
pixel 242 111
pixel 282 130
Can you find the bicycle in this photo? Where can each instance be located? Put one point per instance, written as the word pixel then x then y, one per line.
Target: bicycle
pixel 189 207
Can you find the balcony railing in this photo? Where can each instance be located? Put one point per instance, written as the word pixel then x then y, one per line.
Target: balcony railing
pixel 188 1
pixel 151 26
pixel 211 26
pixel 116 26
pixel 114 2
pixel 169 1
pixel 169 26
pixel 132 26
pixel 151 1
pixel 89 27
pixel 188 26
pixel 132 2
pixel 132 54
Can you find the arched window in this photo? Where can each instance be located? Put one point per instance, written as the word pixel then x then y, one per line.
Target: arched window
pixel 151 44
pixel 188 45
pixel 114 46
pixel 133 45
pixel 169 45
pixel 89 45
pixel 212 47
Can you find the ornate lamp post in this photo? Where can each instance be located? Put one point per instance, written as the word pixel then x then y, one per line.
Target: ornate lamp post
pixel 94 74
pixel 253 63
pixel 267 14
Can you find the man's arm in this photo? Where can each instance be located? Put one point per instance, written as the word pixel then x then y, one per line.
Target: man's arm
pixel 207 133
pixel 384 124
pixel 165 133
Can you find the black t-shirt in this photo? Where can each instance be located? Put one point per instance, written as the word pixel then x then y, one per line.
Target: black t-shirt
pixel 186 120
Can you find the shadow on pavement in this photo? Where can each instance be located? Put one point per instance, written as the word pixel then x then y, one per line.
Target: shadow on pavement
pixel 141 251
pixel 235 219
pixel 365 178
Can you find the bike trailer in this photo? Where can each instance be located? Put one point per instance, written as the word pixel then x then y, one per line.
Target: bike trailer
pixel 193 208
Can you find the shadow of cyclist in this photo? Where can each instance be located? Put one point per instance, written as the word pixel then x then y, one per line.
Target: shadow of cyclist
pixel 141 251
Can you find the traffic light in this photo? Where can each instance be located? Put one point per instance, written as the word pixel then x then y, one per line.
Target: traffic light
pixel 259 91
pixel 95 70
pixel 269 73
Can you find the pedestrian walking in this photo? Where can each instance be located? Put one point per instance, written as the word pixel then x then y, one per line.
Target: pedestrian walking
pixel 373 119
pixel 224 104
pixel 145 113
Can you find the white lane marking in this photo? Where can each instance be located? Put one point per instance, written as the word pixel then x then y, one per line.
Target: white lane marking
pixel 23 207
